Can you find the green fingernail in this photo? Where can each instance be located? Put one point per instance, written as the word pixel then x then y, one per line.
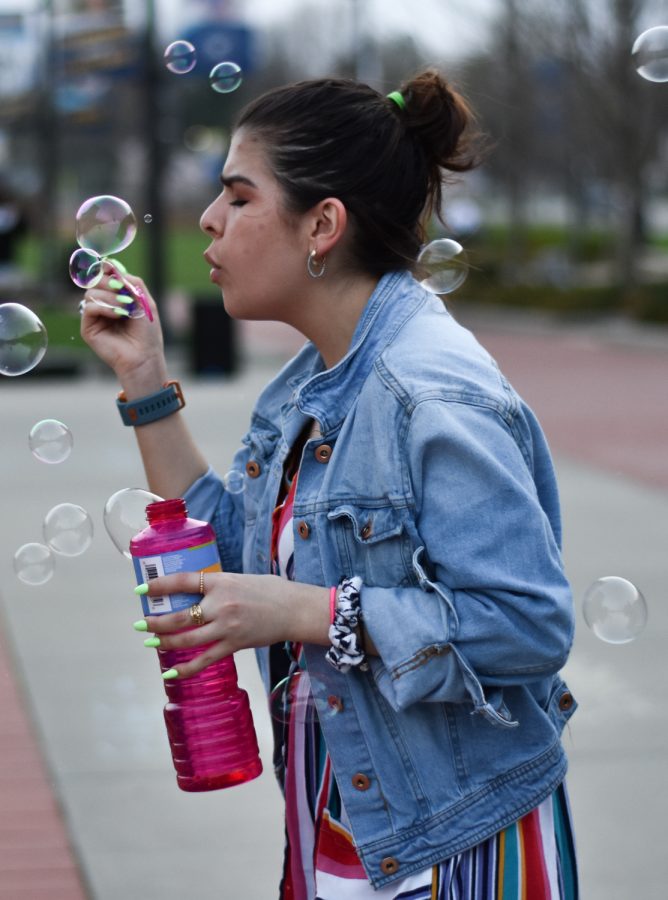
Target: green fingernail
pixel 141 625
pixel 121 312
pixel 141 589
pixel 118 265
pixel 169 674
pixel 122 298
pixel 115 284
pixel 152 642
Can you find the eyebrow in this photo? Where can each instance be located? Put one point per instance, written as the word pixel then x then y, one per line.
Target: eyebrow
pixel 229 180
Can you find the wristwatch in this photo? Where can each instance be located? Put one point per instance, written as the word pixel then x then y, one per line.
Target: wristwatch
pixel 144 410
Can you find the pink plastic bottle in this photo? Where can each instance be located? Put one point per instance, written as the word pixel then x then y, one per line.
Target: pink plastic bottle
pixel 208 717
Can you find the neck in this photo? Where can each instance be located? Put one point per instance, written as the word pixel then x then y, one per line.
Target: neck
pixel 331 313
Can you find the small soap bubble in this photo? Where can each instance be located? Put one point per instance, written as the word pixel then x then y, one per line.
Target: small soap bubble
pixel 614 609
pixel 50 441
pixel 148 218
pixel 23 339
pixel 442 266
pixel 86 268
pixel 34 563
pixel 234 481
pixel 105 224
pixel 180 57
pixel 650 54
pixel 225 77
pixel 68 529
pixel 125 516
pixel 299 699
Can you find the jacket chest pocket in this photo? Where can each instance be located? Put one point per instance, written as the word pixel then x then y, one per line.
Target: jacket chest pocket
pixel 373 543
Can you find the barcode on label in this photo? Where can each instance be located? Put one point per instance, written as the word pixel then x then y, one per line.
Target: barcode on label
pixel 152 567
pixel 151 571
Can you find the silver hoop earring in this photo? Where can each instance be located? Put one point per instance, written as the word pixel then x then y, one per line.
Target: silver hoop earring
pixel 314 268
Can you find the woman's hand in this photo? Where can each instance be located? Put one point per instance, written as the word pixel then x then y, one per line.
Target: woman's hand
pixel 239 611
pixel 132 347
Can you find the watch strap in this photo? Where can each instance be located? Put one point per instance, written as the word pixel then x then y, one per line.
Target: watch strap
pixel 144 410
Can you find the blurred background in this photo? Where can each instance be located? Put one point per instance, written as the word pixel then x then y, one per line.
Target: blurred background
pixel 569 212
pixel 565 226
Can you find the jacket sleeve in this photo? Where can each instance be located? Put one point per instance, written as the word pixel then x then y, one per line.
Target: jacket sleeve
pixel 207 499
pixel 492 607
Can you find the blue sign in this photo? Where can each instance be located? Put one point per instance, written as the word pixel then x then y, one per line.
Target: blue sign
pixel 222 42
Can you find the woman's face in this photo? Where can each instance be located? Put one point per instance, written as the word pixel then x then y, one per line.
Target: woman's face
pixel 257 252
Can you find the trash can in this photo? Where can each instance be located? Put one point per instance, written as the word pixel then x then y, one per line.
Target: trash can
pixel 214 338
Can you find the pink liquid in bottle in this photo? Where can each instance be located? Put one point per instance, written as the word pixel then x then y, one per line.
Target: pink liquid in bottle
pixel 208 717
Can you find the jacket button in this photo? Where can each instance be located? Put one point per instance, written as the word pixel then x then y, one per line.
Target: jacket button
pixel 565 701
pixel 303 530
pixel 389 865
pixel 335 703
pixel 252 468
pixel 361 781
pixel 323 453
pixel 366 531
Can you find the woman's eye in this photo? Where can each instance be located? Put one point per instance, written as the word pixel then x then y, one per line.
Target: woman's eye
pixel 238 202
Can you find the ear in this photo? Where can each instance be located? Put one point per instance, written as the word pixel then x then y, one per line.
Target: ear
pixel 328 223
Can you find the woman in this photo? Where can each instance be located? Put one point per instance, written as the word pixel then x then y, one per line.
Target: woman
pixel 395 551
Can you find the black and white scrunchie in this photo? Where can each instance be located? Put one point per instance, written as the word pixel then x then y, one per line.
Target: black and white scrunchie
pixel 347 650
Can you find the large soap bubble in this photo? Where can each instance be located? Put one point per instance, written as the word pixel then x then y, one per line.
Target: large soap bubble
pixel 614 609
pixel 125 515
pixel 50 441
pixel 34 563
pixel 68 529
pixel 23 339
pixel 442 266
pixel 105 224
pixel 650 53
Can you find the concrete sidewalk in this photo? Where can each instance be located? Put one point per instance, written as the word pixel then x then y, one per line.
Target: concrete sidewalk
pixel 95 696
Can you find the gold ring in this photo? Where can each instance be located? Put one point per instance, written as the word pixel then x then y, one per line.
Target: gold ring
pixel 201 583
pixel 196 614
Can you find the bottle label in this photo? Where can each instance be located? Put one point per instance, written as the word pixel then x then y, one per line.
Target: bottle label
pixel 202 558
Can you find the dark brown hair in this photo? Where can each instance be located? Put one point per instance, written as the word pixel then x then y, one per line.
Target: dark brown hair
pixel 338 138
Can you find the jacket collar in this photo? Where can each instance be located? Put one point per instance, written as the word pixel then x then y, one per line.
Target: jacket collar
pixel 328 395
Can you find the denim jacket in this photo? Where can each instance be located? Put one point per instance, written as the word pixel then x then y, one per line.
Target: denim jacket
pixel 433 483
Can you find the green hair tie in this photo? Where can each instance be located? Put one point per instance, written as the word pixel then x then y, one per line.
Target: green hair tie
pixel 398 98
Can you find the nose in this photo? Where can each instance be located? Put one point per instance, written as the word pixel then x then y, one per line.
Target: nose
pixel 211 220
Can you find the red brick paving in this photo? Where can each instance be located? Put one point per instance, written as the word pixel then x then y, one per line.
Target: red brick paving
pixel 36 860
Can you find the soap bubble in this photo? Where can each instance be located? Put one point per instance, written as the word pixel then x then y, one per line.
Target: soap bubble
pixel 225 77
pixel 299 698
pixel 86 268
pixel 68 529
pixel 148 218
pixel 23 339
pixel 105 224
pixel 125 515
pixel 650 54
pixel 442 266
pixel 50 441
pixel 180 57
pixel 34 563
pixel 614 609
pixel 234 481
